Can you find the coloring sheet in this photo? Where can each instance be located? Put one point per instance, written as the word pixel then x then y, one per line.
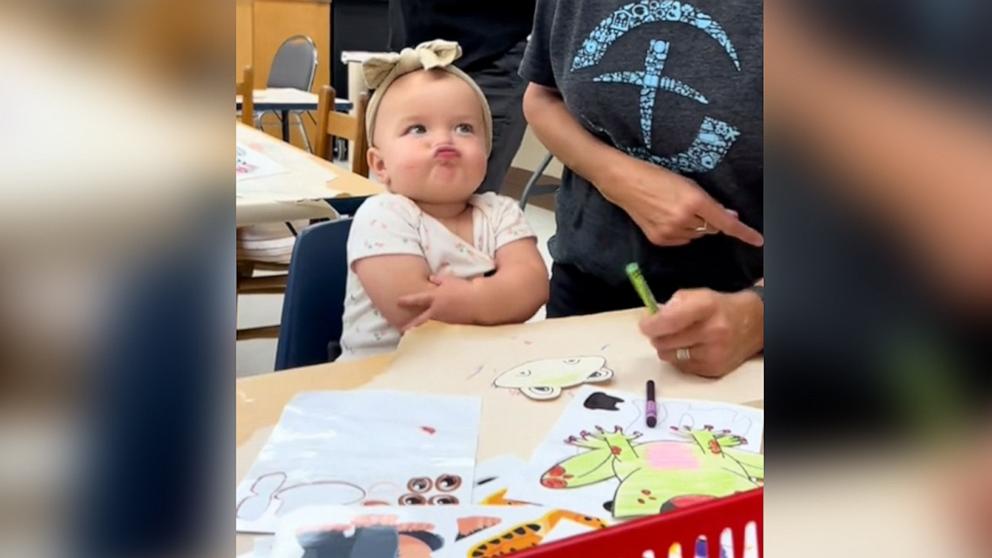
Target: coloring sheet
pixel 601 457
pixel 439 532
pixel 362 448
pixel 249 164
pixel 493 478
pixel 508 365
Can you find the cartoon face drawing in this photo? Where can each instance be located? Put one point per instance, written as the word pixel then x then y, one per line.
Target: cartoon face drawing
pixel 544 379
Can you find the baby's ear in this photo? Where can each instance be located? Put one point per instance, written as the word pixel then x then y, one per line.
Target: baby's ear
pixel 377 165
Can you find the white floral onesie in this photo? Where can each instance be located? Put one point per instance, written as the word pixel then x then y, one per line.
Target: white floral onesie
pixel 390 224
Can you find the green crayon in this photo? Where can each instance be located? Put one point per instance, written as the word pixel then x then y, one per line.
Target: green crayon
pixel 641 286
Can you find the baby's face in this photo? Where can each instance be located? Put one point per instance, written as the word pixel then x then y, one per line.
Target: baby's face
pixel 429 142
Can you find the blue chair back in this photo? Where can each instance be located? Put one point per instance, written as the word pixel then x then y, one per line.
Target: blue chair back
pixel 346 206
pixel 314 299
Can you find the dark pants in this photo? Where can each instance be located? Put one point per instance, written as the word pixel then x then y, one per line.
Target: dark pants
pixel 576 293
pixel 504 89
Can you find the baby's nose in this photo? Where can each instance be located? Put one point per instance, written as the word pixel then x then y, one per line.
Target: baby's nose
pixel 442 137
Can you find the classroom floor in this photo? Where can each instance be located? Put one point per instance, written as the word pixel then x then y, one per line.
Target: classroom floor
pixel 257 356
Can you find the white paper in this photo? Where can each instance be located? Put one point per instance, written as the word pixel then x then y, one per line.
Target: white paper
pixel 250 164
pixel 494 475
pixel 261 179
pixel 262 548
pixel 285 95
pixel 439 532
pixel 362 448
pixel 584 413
pixel 615 411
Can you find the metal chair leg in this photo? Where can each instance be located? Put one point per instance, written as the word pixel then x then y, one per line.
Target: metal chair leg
pixel 303 131
pixel 259 119
pixel 538 172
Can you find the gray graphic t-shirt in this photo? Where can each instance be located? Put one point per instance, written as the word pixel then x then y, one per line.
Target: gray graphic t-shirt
pixel 678 84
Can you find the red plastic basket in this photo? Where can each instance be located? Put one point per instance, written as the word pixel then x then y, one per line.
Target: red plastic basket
pixel 658 533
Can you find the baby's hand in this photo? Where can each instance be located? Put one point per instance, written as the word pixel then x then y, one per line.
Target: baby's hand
pixel 450 301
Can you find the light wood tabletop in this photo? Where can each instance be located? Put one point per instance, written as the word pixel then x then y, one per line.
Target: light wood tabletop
pixel 297 188
pixel 261 399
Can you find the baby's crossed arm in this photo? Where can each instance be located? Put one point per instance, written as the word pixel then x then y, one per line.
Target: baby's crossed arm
pixel 388 278
pixel 518 288
pixel 403 290
pixel 512 294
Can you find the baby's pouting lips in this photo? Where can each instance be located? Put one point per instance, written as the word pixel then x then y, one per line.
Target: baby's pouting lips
pixel 446 153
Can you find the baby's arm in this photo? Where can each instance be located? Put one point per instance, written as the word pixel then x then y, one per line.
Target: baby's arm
pixel 511 295
pixel 518 288
pixel 385 253
pixel 514 292
pixel 387 278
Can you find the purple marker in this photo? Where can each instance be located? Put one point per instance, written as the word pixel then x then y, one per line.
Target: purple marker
pixel 651 409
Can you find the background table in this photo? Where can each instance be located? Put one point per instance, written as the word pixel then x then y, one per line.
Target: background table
pixel 308 181
pixel 285 100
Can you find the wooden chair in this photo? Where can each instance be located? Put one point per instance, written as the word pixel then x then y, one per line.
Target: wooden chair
pixel 330 124
pixel 246 88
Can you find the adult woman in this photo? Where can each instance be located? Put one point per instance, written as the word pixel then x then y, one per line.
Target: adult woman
pixel 655 109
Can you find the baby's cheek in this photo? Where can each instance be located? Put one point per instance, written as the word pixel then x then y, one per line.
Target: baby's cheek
pixel 477 159
pixel 410 165
pixel 407 170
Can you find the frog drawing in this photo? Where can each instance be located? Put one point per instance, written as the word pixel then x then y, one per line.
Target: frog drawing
pixel 659 475
pixel 544 379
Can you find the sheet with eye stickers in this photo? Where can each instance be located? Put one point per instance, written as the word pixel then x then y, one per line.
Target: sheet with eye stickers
pixel 362 448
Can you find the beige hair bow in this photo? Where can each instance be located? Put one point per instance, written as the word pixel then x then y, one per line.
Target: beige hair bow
pixel 381 71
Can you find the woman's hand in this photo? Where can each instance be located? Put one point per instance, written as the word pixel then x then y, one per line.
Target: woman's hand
pixel 669 208
pixel 707 333
pixel 665 205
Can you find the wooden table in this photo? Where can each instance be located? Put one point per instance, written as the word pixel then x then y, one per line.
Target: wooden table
pixel 260 401
pixel 286 99
pixel 297 193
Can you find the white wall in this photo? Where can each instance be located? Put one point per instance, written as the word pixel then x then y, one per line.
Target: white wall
pixel 531 154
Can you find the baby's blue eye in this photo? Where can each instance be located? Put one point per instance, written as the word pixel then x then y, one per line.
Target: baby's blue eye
pixel 464 129
pixel 417 130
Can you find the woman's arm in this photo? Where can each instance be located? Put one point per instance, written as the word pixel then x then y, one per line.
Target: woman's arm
pixel 668 208
pixel 562 134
